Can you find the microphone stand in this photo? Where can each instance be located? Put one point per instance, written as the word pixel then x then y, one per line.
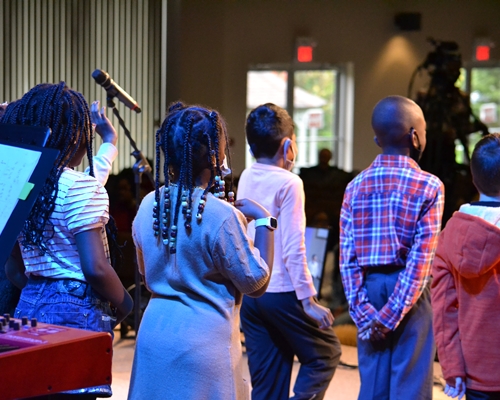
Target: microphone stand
pixel 140 167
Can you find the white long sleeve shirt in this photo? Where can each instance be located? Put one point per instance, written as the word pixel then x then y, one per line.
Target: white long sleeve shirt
pixel 282 193
pixel 103 161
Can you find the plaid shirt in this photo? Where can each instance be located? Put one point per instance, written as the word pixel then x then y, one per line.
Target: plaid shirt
pixel 391 215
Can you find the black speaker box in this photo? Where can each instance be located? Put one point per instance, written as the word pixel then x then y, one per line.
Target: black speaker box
pixel 408 21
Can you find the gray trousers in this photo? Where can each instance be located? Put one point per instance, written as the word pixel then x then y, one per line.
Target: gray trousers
pixel 401 366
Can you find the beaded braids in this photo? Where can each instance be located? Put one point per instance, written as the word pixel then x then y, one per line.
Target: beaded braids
pixel 66 113
pixel 189 139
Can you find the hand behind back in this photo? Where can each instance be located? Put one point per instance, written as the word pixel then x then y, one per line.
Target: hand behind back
pixel 373 330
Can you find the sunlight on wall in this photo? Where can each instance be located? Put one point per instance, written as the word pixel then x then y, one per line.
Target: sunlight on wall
pixel 392 69
pixel 398 53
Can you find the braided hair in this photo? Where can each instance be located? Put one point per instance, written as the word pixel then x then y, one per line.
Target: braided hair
pixel 66 113
pixel 189 138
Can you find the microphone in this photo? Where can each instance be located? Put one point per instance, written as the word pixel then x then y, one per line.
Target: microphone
pixel 113 90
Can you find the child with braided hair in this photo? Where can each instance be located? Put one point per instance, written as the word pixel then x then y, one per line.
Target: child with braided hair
pixel 63 268
pixel 197 261
pixel 101 165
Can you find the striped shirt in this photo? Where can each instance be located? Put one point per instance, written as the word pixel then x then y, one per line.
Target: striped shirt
pixel 391 215
pixel 81 205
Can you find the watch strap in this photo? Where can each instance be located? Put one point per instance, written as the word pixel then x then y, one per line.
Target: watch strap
pixel 268 222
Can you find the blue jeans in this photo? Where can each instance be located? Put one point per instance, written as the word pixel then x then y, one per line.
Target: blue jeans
pixel 71 303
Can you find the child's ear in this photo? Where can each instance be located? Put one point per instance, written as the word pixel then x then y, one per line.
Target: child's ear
pixel 283 147
pixel 376 141
pixel 286 143
pixel 415 141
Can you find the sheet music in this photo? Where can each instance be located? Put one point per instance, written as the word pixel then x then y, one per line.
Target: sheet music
pixel 16 166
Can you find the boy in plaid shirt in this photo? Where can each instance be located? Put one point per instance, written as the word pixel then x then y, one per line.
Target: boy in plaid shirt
pixel 389 225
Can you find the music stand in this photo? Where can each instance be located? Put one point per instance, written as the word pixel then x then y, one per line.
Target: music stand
pixel 24 168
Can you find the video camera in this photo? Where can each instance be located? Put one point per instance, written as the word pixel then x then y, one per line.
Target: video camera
pixel 445 54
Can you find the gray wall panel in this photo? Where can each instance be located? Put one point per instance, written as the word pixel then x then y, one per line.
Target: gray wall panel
pixel 53 40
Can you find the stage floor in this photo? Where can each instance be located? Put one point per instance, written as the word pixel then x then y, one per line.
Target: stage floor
pixel 344 385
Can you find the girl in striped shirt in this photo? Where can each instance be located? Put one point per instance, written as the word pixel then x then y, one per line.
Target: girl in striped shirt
pixel 61 262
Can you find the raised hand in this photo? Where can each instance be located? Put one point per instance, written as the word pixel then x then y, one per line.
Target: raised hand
pixel 103 126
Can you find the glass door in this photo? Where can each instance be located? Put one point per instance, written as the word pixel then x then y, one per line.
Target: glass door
pixel 314 114
pixel 483 84
pixel 318 99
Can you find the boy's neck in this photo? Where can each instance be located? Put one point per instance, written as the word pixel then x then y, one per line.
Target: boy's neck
pixel 483 197
pixel 396 151
pixel 276 161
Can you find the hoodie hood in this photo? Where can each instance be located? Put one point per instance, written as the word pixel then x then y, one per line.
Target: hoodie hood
pixel 472 244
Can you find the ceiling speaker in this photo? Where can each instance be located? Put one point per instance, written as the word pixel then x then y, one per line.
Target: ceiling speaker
pixel 407 21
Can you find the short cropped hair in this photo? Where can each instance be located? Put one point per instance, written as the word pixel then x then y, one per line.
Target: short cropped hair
pixel 485 165
pixel 266 126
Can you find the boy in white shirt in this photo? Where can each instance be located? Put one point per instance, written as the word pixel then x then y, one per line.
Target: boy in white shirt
pixel 287 320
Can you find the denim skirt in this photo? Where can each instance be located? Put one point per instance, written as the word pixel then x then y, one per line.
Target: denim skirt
pixel 71 303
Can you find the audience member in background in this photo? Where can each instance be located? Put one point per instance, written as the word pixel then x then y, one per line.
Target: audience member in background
pixel 122 199
pixel 324 187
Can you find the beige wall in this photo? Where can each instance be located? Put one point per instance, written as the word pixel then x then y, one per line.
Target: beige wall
pixel 211 43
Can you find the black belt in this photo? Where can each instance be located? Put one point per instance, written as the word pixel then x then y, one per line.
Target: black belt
pixel 383 269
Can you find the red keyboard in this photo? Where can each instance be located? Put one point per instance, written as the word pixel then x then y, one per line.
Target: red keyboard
pixel 40 359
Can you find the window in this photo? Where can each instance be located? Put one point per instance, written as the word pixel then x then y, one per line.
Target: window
pixel 320 101
pixel 485 95
pixel 482 81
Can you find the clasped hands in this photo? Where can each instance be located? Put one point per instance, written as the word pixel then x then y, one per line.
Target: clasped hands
pixel 373 330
